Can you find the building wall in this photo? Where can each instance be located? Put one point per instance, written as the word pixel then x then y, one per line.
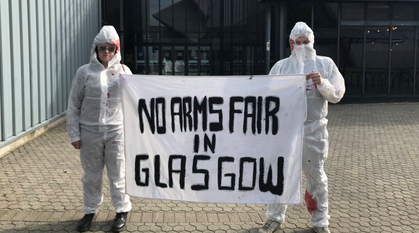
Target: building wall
pixel 42 44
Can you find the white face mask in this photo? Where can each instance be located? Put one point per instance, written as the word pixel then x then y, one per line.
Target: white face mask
pixel 299 52
pixel 303 54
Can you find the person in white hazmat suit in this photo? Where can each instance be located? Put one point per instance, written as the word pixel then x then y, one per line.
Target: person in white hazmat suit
pixel 95 126
pixel 324 84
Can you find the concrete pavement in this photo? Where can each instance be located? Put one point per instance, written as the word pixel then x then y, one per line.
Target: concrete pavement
pixel 373 170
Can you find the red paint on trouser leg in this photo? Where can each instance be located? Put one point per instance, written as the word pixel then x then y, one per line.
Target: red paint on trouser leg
pixel 310 202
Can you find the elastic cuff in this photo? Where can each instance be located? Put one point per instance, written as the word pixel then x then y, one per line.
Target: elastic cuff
pixel 74 139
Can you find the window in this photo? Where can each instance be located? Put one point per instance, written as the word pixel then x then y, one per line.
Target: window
pixel 402 60
pixel 377 51
pixel 298 12
pixel 378 11
pixel 417 61
pixel 351 58
pixel 353 11
pixel 325 29
pixel 403 11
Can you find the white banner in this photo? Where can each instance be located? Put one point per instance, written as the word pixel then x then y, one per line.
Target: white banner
pixel 220 139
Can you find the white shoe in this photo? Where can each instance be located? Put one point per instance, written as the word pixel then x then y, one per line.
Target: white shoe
pixel 321 229
pixel 270 226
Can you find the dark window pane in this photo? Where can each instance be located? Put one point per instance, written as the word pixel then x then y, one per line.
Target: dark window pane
pixel 351 58
pixel 155 9
pixel 417 63
pixel 402 60
pixel 238 58
pixel 128 49
pixel 111 13
pixel 353 11
pixel 204 56
pixel 298 12
pixel 417 11
pixel 325 15
pixel 192 55
pixel 179 64
pixel 173 17
pixel 167 64
pixel 377 60
pixel 153 60
pixel 140 60
pixel 325 29
pixel 403 11
pixel 378 11
pixel 132 9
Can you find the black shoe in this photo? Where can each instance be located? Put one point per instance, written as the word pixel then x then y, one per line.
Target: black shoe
pixel 119 222
pixel 85 222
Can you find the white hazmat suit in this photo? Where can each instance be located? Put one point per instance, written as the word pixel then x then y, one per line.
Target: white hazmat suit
pixel 304 60
pixel 94 117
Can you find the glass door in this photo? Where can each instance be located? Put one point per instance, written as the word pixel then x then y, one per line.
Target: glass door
pixel 153 54
pixel 204 63
pixel 140 60
pixel 179 67
pixel 193 60
pixel 196 61
pixel 167 65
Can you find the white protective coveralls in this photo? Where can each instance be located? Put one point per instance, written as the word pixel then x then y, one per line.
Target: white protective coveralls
pixel 304 60
pixel 94 116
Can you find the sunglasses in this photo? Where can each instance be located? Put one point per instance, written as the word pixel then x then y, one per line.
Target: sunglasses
pixel 103 48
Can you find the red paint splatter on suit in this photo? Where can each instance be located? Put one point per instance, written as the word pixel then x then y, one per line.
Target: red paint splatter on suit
pixel 310 202
pixel 115 41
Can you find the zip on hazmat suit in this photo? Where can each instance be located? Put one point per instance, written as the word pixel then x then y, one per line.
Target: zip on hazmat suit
pixel 94 117
pixel 304 60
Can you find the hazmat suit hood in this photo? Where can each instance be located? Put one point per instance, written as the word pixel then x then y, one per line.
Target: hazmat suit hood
pixel 302 56
pixel 302 29
pixel 108 35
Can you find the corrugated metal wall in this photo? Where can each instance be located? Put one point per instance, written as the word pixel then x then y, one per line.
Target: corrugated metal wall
pixel 42 44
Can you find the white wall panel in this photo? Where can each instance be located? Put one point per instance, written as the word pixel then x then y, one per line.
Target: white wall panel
pixel 48 65
pixel 55 53
pixel 6 72
pixel 25 56
pixel 63 46
pixel 73 52
pixel 41 56
pixel 34 62
pixel 16 68
pixel 42 45
pixel 69 59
